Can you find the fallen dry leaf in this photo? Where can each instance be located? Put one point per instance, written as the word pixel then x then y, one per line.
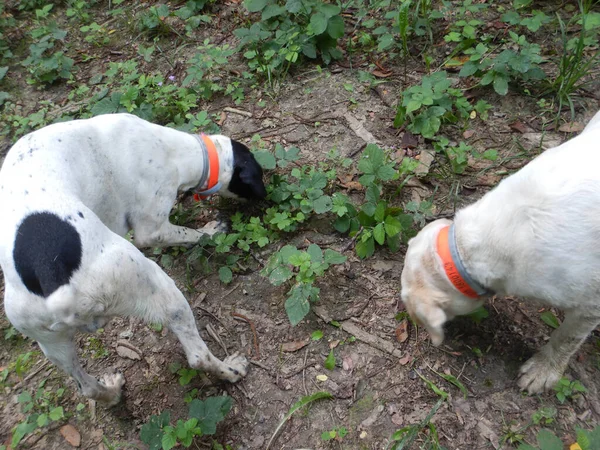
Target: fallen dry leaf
pixel 468 133
pixel 334 344
pixel 519 126
pixel 221 121
pixel 71 435
pixel 293 346
pixel 571 127
pixel 405 359
pixel 125 352
pixel 402 331
pixel 409 140
pixel 382 74
pixel 347 363
pixel 322 377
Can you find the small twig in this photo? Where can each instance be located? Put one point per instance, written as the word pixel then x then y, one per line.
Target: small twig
pixel 230 291
pixel 259 364
pixel 252 327
pixel 237 111
pixel 304 372
pixel 214 317
pixel 215 336
pixel 31 375
pixel 349 245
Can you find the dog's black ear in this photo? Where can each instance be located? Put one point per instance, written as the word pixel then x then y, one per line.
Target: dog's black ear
pixel 247 179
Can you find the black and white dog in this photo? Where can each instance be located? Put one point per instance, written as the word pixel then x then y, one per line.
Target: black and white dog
pixel 69 192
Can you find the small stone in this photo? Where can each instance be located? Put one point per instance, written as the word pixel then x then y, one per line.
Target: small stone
pixel 125 352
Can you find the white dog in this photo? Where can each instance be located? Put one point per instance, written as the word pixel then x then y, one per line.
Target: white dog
pixel 69 192
pixel 536 235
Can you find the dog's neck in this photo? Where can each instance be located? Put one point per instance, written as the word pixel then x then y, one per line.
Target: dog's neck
pixel 191 159
pixel 481 241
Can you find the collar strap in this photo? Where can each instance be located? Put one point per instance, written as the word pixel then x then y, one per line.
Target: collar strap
pixel 210 170
pixel 454 267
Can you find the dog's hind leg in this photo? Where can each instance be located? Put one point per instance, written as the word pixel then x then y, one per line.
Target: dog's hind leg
pixel 546 367
pixel 59 348
pixel 139 287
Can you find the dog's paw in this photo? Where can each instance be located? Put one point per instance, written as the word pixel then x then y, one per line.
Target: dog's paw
pixel 214 227
pixel 113 383
pixel 236 367
pixel 538 374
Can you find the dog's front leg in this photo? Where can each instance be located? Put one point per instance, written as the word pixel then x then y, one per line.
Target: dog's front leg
pixel 169 235
pixel 546 367
pixel 60 349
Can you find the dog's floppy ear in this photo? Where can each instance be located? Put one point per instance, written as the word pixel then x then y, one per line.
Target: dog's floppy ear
pixel 433 318
pixel 247 179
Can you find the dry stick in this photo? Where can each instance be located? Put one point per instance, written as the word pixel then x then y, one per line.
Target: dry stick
pixel 237 111
pixel 230 291
pixel 349 245
pixel 214 317
pixel 252 327
pixel 213 334
pixel 361 335
pixel 304 372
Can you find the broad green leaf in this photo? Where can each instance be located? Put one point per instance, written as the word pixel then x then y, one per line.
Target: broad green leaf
pixel 479 314
pixel 342 224
pixel 500 84
pixel 548 441
pixel 297 305
pixel 287 251
pixel 272 11
pixel 210 412
pixel 328 9
pixel 168 441
pixel 335 27
pixel 265 159
pixel 22 430
pixel 318 23
pixel 42 420
pixel 280 275
pixel 3 71
pixel 333 257
pixel 152 431
pixel 392 226
pixel 365 249
pixel 330 361
pixel 315 252
pixel 379 234
pixel 316 335
pixel 379 214
pixel 322 204
pixel 255 5
pixel 550 319
pixel 225 274
pixel 57 413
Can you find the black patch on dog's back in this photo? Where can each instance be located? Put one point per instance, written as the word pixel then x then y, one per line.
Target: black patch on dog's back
pixel 247 179
pixel 47 252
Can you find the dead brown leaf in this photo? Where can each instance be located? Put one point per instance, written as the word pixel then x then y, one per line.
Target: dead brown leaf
pixel 334 344
pixel 571 127
pixel 402 331
pixel 519 126
pixel 409 140
pixel 381 73
pixel 293 346
pixel 71 435
pixel 405 359
pixel 347 363
pixel 468 134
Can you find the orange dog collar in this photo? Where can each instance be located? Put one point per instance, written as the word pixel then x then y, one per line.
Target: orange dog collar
pixel 453 266
pixel 213 169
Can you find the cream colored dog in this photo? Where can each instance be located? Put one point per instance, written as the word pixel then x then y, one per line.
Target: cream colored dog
pixel 537 236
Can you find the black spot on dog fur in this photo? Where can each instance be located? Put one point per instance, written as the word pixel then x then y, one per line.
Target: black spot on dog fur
pixel 80 214
pixel 47 252
pixel 247 179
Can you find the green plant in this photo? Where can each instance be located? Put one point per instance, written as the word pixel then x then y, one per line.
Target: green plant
pixel 375 221
pixel 185 374
pixel 510 65
pixel 40 409
pixel 79 10
pixel 203 66
pixel 330 361
pixel 287 31
pixel 153 23
pixel 575 63
pixel 545 415
pixel 300 404
pixel 95 34
pixel 203 417
pixel 566 389
pixel 305 267
pixel 335 434
pixel 44 64
pixel 428 105
pixel 547 440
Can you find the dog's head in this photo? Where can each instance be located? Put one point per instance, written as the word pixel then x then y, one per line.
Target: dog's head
pixel 242 176
pixel 430 298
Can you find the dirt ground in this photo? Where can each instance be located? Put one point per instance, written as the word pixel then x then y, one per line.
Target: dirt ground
pixel 375 391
